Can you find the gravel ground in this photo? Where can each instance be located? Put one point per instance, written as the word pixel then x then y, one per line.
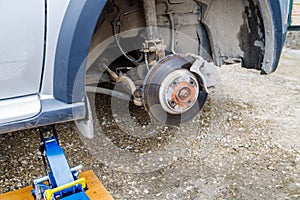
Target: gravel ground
pixel 293 41
pixel 245 144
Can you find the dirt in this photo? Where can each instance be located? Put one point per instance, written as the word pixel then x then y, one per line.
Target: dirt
pixel 244 144
pixel 293 41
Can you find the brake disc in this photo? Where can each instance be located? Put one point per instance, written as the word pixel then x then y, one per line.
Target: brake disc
pixel 172 94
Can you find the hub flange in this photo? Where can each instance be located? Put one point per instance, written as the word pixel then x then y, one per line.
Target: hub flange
pixel 179 91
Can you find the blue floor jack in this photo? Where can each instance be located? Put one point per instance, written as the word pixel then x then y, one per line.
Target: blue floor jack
pixel 61 181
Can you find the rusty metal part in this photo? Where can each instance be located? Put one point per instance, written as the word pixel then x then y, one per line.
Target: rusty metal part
pixel 152 45
pixel 119 79
pixel 179 91
pixel 103 66
pixel 155 46
pixel 123 78
pixel 150 16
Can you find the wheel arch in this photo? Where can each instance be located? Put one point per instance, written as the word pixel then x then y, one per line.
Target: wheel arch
pixel 72 49
pixel 250 30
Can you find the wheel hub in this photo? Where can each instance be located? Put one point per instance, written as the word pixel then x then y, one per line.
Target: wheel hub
pixel 179 91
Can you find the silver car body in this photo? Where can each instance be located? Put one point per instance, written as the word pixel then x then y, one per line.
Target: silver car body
pixel 27 61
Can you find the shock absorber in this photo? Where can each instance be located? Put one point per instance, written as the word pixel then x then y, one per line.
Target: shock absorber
pixel 154 48
pixel 151 21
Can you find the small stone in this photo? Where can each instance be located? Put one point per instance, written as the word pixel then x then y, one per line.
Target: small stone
pixel 24 162
pixel 158 194
pixel 188 188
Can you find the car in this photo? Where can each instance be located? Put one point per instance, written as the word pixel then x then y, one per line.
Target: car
pixel 55 52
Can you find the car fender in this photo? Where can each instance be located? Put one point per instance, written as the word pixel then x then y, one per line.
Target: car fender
pixel 72 49
pixel 275 17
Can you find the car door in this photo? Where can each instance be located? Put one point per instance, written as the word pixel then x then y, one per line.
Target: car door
pixel 21 57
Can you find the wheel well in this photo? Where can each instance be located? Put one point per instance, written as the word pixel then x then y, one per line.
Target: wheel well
pixel 227 31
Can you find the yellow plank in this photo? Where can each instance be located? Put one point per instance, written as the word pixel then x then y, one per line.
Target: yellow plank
pixel 96 190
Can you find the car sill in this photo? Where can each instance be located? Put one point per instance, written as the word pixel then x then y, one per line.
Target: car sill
pixel 19 108
pixel 52 111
